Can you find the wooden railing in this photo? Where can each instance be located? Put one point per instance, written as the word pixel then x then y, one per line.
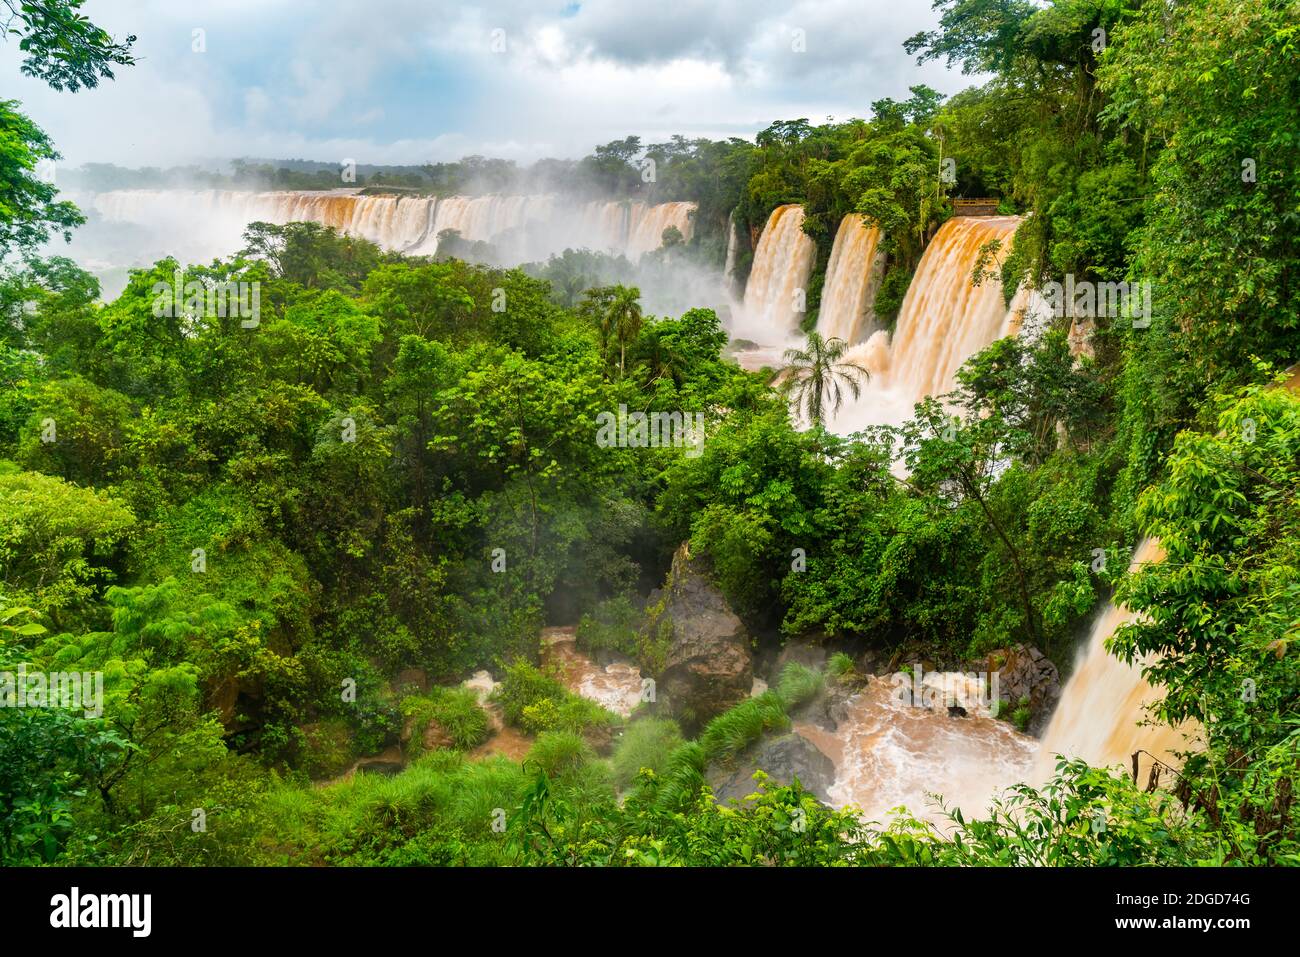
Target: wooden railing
pixel 975 207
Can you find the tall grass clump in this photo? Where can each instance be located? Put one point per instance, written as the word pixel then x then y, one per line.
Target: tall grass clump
pixel 648 743
pixel 798 685
pixel 840 665
pixel 481 790
pixel 559 753
pixel 736 729
pixel 678 785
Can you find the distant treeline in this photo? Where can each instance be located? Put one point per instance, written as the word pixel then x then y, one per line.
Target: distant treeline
pixel 623 168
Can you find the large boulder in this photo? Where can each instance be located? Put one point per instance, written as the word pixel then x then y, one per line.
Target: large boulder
pixel 708 666
pixel 783 758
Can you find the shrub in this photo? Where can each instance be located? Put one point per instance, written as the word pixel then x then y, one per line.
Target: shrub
pixel 536 703
pixel 455 710
pixel 1021 715
pixel 524 685
pixel 327 747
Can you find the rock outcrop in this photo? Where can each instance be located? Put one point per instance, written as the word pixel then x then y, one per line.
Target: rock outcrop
pixel 708 666
pixel 1026 674
pixel 784 758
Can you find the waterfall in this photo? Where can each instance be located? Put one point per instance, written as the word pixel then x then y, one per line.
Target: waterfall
pixel 943 321
pixel 1104 700
pixel 647 225
pixel 778 283
pixel 851 277
pixel 733 246
pixel 524 227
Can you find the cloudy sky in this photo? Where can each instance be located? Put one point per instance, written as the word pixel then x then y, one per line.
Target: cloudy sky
pixel 403 81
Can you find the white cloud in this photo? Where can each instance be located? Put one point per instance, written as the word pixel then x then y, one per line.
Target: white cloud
pixel 406 81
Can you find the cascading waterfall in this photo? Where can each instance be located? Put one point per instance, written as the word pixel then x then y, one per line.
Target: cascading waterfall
pixel 778 282
pixel 944 319
pixel 1104 701
pixel 483 218
pixel 529 226
pixel 733 248
pixel 647 225
pixel 851 277
pixel 889 753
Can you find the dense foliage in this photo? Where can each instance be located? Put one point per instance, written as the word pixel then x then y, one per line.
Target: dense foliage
pixel 285 539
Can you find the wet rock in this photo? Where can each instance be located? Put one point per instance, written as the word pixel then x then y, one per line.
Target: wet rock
pixel 1080 337
pixel 708 667
pixel 783 758
pixel 829 707
pixel 871 661
pixel 1026 674
pixel 237 702
pixel 956 711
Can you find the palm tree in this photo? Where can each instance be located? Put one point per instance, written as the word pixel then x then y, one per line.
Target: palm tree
pixel 623 320
pixel 816 377
pixel 616 311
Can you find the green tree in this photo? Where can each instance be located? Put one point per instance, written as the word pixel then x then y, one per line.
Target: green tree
pixel 57 543
pixel 62 47
pixel 940 448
